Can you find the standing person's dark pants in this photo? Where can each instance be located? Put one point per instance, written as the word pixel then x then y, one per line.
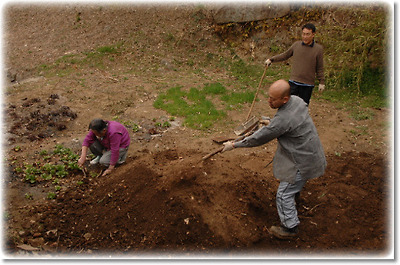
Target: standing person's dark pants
pixel 303 91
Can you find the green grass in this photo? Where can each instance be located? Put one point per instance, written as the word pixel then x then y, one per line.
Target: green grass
pixel 358 106
pixel 196 105
pixel 199 112
pixel 96 58
pixel 249 74
pixel 236 99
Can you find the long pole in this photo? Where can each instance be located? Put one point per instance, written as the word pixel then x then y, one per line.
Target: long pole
pixel 258 89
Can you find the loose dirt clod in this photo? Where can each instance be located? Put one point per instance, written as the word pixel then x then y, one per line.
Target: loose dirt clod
pixel 34 121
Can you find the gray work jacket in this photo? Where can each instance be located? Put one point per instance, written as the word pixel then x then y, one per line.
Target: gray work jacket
pixel 299 147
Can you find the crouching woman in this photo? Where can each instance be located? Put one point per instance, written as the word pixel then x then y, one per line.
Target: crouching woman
pixel 109 141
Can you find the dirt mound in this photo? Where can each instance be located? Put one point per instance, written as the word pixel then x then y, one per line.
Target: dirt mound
pixel 127 212
pixel 191 209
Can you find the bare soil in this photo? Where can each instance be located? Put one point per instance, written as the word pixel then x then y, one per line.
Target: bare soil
pixel 165 200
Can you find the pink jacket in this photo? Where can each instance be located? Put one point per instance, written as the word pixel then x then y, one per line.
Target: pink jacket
pixel 117 136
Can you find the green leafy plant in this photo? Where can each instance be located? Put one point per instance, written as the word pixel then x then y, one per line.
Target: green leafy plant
pixel 166 124
pixel 31 173
pixel 66 164
pixel 51 195
pixel 132 125
pixel 43 153
pixel 17 148
pixel 46 176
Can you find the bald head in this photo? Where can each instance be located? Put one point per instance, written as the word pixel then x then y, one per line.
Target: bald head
pixel 279 94
pixel 280 88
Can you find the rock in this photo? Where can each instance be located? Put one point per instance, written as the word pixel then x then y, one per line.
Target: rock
pixel 36 242
pixel 51 235
pixel 147 136
pixel 87 236
pixel 11 75
pixel 52 248
pixel 27 247
pixel 37 234
pixel 245 12
pixel 167 64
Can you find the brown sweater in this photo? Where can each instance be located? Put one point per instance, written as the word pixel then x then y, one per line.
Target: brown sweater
pixel 307 62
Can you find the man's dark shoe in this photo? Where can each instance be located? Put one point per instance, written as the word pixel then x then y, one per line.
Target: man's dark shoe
pixel 282 232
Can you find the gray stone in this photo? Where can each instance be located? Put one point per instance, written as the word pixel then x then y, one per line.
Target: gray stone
pixel 244 12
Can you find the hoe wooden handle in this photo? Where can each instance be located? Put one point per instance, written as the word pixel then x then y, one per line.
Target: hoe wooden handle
pixel 258 89
pixel 213 153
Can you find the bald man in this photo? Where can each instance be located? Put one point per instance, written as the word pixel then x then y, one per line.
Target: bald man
pixel 299 155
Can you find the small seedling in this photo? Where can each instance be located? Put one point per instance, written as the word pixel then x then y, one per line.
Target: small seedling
pixel 46 176
pixel 47 157
pixel 6 215
pixel 51 195
pixel 132 125
pixel 73 166
pixel 28 196
pixel 43 153
pixel 166 124
pixel 17 148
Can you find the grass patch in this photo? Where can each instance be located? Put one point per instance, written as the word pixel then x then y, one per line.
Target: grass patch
pixel 358 106
pixel 246 73
pixel 66 64
pixel 196 106
pixel 199 112
pixel 238 98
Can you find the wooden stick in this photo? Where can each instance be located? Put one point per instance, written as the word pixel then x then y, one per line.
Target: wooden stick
pixel 84 170
pixel 222 148
pixel 213 153
pixel 101 173
pixel 258 89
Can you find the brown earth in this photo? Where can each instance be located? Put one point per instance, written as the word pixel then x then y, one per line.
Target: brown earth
pixel 165 200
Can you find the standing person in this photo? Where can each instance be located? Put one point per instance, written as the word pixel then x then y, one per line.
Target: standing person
pixel 307 64
pixel 299 155
pixel 109 141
